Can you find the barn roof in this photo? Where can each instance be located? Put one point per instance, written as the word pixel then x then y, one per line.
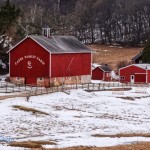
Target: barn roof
pixel 143 66
pixel 60 44
pixel 137 56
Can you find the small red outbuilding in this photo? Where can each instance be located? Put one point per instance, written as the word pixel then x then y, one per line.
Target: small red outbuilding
pixel 101 72
pixel 135 73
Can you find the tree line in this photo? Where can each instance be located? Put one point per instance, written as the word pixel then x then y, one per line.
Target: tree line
pixel 125 22
pixel 91 21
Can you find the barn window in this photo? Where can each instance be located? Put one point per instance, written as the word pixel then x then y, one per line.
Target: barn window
pixel 122 78
pixel 40 79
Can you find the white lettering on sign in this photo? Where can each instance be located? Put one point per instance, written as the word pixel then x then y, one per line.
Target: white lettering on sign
pixel 19 60
pixel 29 63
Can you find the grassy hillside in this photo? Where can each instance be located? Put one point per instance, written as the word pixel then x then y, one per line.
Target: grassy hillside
pixel 112 55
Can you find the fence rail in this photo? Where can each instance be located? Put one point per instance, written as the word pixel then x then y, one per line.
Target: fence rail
pixel 11 88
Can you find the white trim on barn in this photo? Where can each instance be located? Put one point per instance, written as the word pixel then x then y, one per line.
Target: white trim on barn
pixel 126 67
pixel 140 73
pixel 103 74
pixel 9 63
pixel 17 44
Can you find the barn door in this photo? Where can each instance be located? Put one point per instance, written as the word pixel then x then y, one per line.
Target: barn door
pixel 132 79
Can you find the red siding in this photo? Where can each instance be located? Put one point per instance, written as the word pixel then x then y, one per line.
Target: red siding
pixel 140 78
pixel 133 70
pixel 40 62
pixel 97 74
pixel 30 80
pixel 63 65
pixel 148 76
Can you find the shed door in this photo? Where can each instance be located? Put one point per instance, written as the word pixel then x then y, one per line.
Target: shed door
pixel 132 78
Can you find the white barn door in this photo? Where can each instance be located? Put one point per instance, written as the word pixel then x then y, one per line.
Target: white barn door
pixel 132 79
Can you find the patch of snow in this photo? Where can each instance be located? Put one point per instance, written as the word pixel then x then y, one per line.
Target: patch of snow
pixel 74 118
pixel 114 75
pixel 95 65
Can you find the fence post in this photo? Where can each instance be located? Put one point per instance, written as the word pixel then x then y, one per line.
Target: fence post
pixel 99 86
pixel 19 87
pixel 103 86
pixel 108 85
pixel 31 87
pixel 13 88
pixel 6 87
pixel 52 89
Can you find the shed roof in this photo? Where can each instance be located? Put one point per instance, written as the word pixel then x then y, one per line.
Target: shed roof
pixel 59 44
pixel 137 56
pixel 105 68
pixel 143 66
pixel 102 67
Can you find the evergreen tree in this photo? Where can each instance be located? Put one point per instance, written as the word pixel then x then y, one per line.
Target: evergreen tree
pixel 8 20
pixel 146 53
pixel 8 16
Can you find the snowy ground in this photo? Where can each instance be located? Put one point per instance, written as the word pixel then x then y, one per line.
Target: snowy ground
pixel 74 118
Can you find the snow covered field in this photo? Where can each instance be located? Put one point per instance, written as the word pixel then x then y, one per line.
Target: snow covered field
pixel 73 119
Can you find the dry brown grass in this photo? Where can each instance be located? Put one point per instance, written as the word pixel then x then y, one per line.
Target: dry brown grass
pixel 123 135
pixel 32 144
pixel 138 146
pixel 127 98
pixel 112 55
pixel 29 109
pixel 25 144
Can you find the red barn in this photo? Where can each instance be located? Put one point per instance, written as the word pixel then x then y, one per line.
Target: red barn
pixel 101 72
pixel 135 73
pixel 42 60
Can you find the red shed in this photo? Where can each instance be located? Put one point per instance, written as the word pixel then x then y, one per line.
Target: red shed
pixel 101 72
pixel 135 73
pixel 42 60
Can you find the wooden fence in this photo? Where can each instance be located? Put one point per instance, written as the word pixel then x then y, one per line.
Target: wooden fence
pixel 36 90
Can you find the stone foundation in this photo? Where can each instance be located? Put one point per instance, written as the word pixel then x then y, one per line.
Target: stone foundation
pixel 17 80
pixel 47 82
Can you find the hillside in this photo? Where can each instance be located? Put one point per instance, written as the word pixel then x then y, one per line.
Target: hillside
pixel 112 55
